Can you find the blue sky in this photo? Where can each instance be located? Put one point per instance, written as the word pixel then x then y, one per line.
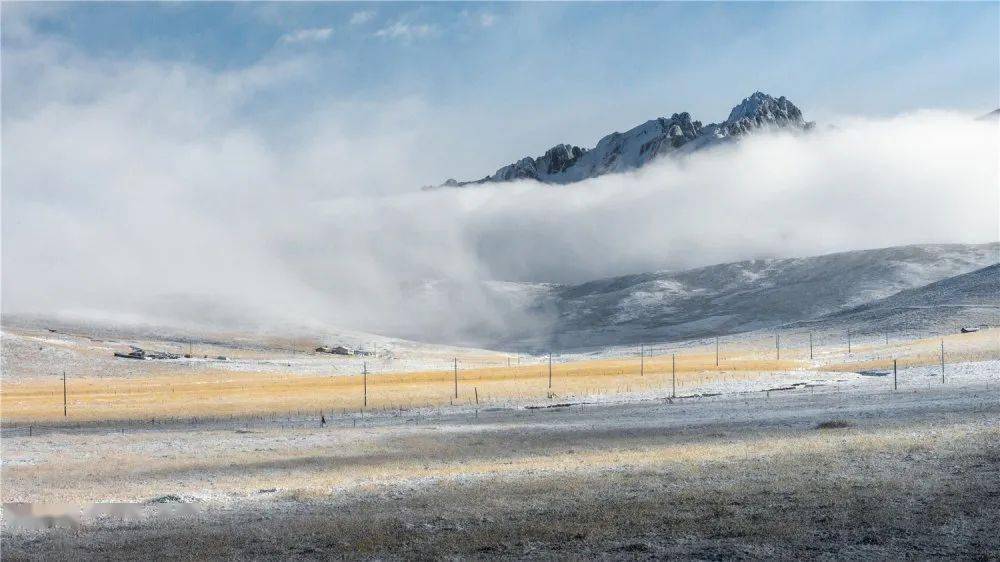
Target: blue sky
pixel 520 78
pixel 650 58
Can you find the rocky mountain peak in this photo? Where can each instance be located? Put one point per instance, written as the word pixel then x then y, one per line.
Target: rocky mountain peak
pixel 763 111
pixel 619 152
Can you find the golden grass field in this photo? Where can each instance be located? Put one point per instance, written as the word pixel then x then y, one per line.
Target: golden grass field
pixel 227 393
pixel 799 474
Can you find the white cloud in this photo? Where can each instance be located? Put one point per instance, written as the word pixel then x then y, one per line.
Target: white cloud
pixel 404 31
pixel 131 185
pixel 487 19
pixel 362 17
pixel 315 35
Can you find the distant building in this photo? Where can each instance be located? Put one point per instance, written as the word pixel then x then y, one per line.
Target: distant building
pixel 336 350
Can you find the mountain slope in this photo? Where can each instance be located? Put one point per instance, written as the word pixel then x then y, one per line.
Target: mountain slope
pixel 746 295
pixel 619 152
pixel 968 299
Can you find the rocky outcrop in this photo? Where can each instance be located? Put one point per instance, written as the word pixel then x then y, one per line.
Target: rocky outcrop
pixel 619 152
pixel 762 112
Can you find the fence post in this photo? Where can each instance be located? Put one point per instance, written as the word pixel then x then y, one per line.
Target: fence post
pixel 848 342
pixel 673 370
pixel 550 369
pixel 942 361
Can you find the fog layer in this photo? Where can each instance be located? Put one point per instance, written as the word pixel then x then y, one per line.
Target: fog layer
pixel 147 192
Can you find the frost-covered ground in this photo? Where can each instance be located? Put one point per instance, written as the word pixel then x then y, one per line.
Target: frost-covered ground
pixel 745 473
pixel 33 350
pixel 794 463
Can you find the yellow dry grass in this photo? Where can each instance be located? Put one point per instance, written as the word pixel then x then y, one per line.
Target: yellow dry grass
pixel 225 393
pixel 977 346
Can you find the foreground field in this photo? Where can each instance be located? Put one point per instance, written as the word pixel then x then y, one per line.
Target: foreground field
pixel 854 471
pixel 623 457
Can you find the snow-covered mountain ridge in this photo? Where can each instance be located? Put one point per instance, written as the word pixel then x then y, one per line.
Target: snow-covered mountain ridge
pixel 752 294
pixel 619 152
pixel 706 301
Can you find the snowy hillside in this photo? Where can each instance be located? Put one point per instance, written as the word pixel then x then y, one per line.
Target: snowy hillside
pixel 970 299
pixel 751 294
pixel 734 297
pixel 636 147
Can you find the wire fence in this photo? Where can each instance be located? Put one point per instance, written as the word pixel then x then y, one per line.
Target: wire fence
pixel 696 369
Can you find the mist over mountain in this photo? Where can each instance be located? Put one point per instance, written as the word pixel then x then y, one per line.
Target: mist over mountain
pixel 222 226
pixel 676 135
pixel 993 116
pixel 713 300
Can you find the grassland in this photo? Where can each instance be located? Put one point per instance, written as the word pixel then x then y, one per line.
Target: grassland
pixel 162 393
pixel 913 475
pixel 846 467
pixel 228 393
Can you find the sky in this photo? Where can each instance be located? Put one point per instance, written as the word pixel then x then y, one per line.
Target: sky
pixel 247 164
pixel 524 77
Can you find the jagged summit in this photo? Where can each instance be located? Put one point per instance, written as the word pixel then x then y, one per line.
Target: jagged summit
pixel 761 111
pixel 555 161
pixel 619 152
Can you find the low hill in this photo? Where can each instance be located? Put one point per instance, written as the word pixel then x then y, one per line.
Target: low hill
pixel 742 296
pixel 970 299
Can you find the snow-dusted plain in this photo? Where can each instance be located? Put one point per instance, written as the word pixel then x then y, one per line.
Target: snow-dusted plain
pixel 480 476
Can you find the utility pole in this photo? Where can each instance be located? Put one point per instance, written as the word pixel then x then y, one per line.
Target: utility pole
pixel 364 375
pixel 673 370
pixel 810 345
pixel 848 342
pixel 716 351
pixel 64 394
pixel 550 369
pixel 777 345
pixel 456 377
pixel 894 386
pixel 642 360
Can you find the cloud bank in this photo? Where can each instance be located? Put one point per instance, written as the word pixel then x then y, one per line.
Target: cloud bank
pixel 144 191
